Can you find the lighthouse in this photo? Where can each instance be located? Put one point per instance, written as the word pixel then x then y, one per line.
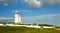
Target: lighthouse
pixel 17 18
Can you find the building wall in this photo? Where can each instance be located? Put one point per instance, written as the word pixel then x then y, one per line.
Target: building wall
pixel 1 24
pixel 47 26
pixel 9 24
pixel 17 19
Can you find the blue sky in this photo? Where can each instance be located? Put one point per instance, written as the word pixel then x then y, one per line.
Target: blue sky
pixel 37 13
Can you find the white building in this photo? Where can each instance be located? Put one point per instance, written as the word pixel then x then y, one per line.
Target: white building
pixel 1 23
pixel 34 25
pixel 10 23
pixel 17 18
pixel 48 27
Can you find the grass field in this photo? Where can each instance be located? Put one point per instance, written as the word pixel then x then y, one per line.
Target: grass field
pixel 9 29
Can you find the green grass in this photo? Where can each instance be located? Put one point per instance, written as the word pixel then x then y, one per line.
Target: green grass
pixel 9 29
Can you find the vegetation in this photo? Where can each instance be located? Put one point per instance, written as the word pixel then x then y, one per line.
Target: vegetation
pixel 14 29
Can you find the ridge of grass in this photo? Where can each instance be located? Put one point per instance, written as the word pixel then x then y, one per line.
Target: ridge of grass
pixel 14 29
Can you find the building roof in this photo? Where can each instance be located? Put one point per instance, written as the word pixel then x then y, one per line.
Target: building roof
pixel 45 25
pixel 10 22
pixel 57 27
pixel 2 23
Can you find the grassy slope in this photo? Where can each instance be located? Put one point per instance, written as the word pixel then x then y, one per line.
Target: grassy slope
pixel 26 30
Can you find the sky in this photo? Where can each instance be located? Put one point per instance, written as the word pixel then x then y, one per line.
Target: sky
pixel 31 11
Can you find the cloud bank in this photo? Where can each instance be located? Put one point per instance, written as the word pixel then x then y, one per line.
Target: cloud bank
pixel 41 3
pixel 5 18
pixel 43 19
pixel 8 2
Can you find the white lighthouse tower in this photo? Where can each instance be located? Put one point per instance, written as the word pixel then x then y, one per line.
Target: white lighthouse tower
pixel 17 18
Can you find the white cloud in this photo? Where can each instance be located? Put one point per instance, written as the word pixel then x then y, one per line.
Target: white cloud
pixel 41 3
pixel 8 2
pixel 33 3
pixel 5 18
pixel 5 4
